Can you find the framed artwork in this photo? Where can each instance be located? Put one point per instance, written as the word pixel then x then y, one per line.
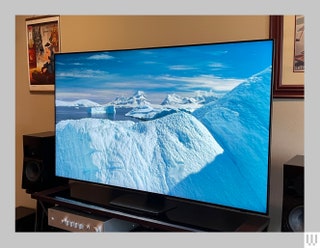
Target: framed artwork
pixel 299 44
pixel 289 46
pixel 43 41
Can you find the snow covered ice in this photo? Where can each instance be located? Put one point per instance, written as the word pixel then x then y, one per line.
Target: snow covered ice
pixel 153 155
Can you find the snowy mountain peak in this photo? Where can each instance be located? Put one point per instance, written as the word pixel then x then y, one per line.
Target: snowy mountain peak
pixel 173 99
pixel 137 99
pixel 199 98
pixel 139 94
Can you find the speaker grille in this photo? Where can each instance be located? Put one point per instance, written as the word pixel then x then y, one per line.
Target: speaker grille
pixel 33 170
pixel 296 219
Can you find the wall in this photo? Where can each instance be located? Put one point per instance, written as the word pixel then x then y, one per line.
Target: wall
pixel 35 112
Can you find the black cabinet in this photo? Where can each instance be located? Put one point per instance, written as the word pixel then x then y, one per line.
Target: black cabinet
pixel 183 217
pixel 25 219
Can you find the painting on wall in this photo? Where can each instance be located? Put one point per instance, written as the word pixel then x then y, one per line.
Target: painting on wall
pixel 43 41
pixel 288 34
pixel 299 44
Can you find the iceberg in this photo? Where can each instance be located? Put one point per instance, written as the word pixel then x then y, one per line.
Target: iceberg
pixel 145 112
pixel 110 109
pixel 153 156
pixel 239 121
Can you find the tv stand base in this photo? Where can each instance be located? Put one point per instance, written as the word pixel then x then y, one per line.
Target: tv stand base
pixel 182 217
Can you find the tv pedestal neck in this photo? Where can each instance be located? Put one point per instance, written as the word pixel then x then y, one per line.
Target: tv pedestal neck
pixel 183 217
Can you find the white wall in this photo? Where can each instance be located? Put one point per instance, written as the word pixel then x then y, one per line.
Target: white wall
pixel 286 142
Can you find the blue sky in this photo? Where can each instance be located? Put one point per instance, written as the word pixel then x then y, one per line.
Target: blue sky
pixel 103 75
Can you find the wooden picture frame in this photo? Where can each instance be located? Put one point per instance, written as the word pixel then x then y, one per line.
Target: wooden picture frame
pixel 43 41
pixel 287 82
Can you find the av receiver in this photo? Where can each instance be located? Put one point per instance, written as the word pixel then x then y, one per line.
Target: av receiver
pixel 75 221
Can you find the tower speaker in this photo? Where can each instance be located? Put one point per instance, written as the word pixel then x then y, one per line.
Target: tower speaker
pixel 39 162
pixel 293 195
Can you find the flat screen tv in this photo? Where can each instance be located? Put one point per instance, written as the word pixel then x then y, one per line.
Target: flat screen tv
pixel 189 122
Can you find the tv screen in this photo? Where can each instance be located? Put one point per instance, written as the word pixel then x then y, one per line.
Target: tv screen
pixel 189 122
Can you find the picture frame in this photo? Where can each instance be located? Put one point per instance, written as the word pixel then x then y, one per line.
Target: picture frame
pixel 299 44
pixel 43 41
pixel 287 82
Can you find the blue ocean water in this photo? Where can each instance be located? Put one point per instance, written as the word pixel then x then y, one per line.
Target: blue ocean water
pixel 76 113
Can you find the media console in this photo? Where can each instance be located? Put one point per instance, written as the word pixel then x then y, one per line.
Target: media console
pixel 179 216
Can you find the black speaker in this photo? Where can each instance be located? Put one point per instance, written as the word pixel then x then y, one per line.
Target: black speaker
pixel 39 162
pixel 293 195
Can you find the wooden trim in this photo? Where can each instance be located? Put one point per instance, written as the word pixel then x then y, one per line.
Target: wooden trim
pixel 281 90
